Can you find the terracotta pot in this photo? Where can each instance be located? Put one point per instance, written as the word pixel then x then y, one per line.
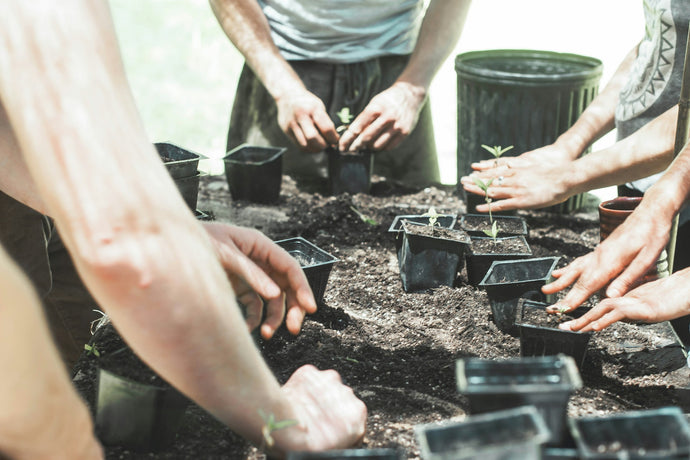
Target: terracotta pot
pixel 612 213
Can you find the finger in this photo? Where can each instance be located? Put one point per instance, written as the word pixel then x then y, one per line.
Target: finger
pixel 564 277
pixel 354 131
pixel 583 321
pixel 275 312
pixel 315 143
pixel 632 274
pixel 294 318
pixel 253 307
pixel 326 127
pixel 394 141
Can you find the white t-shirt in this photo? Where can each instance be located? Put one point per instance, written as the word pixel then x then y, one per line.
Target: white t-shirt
pixel 343 31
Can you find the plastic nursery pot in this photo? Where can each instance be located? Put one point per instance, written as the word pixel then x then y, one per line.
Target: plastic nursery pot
pixel 254 173
pixel 443 220
pixel 136 415
pixel 524 98
pixel 507 281
pixel 510 434
pixel 430 256
pixel 560 453
pixel 612 213
pixel 189 189
pixel 545 382
pixel 650 434
pixel 179 162
pixel 349 172
pixel 485 250
pixel 475 224
pixel 315 262
pixel 360 454
pixel 540 335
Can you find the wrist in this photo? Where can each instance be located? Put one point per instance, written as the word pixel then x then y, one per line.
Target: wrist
pixel 572 143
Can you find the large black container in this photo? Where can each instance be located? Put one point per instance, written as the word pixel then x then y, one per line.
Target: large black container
pixel 254 173
pixel 507 281
pixel 524 98
pixel 544 382
pixel 315 262
pixel 514 434
pixel 656 434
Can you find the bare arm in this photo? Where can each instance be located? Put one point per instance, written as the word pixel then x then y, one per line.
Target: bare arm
pixel 42 417
pixel 391 115
pixel 137 247
pixel 301 114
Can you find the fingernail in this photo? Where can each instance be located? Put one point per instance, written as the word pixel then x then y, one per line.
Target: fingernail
pixel 612 292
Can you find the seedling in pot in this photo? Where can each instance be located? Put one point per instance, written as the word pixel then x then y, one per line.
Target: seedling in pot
pixel 92 350
pixel 345 117
pixel 433 217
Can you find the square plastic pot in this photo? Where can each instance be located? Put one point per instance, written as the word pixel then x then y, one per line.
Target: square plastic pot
pixel 543 382
pixel 315 262
pixel 511 434
pixel 539 340
pixel 443 220
pixel 349 172
pixel 254 173
pixel 427 262
pixel 478 262
pixel 135 415
pixel 507 281
pixel 658 434
pixel 189 189
pixel 475 224
pixel 359 454
pixel 178 161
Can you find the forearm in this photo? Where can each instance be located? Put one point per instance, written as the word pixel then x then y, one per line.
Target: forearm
pixel 139 250
pixel 247 28
pixel 438 35
pixel 668 195
pixel 42 417
pixel 599 116
pixel 646 152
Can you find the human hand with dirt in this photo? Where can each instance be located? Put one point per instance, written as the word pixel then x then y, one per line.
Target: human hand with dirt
pixel 260 269
pixel 621 259
pixel 328 413
pixel 660 300
pixel 388 118
pixel 303 117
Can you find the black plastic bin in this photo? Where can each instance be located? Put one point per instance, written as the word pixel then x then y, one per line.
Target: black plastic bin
pixel 315 262
pixel 254 173
pixel 544 382
pixel 523 98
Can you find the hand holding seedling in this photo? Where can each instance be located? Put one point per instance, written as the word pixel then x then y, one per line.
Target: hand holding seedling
pixel 303 118
pixel 388 118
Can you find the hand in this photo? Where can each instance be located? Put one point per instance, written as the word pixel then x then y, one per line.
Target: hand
pixel 303 117
pixel 257 266
pixel 330 415
pixel 388 118
pixel 653 302
pixel 624 257
pixel 553 153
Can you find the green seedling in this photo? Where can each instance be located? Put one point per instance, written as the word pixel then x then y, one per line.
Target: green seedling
pixel 493 233
pixel 433 217
pixel 92 350
pixel 345 117
pixel 496 150
pixel 364 218
pixel 485 188
pixel 271 425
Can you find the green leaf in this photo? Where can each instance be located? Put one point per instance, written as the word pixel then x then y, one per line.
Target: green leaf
pixel 496 150
pixel 345 116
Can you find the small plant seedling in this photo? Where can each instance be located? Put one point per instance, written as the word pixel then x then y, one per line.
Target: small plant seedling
pixel 271 425
pixel 345 117
pixel 496 150
pixel 92 350
pixel 485 188
pixel 493 232
pixel 365 219
pixel 433 217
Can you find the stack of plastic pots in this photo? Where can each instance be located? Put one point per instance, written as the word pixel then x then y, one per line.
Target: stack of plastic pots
pixel 182 165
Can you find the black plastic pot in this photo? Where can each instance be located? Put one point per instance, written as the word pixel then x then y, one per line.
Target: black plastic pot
pixel 443 220
pixel 478 262
pixel 201 215
pixel 658 434
pixel 427 262
pixel 349 172
pixel 510 434
pixel 524 98
pixel 360 454
pixel 189 189
pixel 135 415
pixel 254 173
pixel 179 162
pixel 544 382
pixel 560 453
pixel 315 262
pixel 507 281
pixel 474 224
pixel 538 340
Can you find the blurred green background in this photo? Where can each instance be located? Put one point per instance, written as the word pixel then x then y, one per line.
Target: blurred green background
pixel 183 70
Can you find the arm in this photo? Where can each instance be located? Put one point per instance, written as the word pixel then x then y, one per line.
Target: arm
pixel 145 259
pixel 539 184
pixel 301 114
pixel 42 417
pixel 625 255
pixel 391 115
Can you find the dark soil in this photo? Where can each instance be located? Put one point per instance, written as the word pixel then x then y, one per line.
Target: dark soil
pixel 506 245
pixel 398 350
pixel 506 225
pixel 437 232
